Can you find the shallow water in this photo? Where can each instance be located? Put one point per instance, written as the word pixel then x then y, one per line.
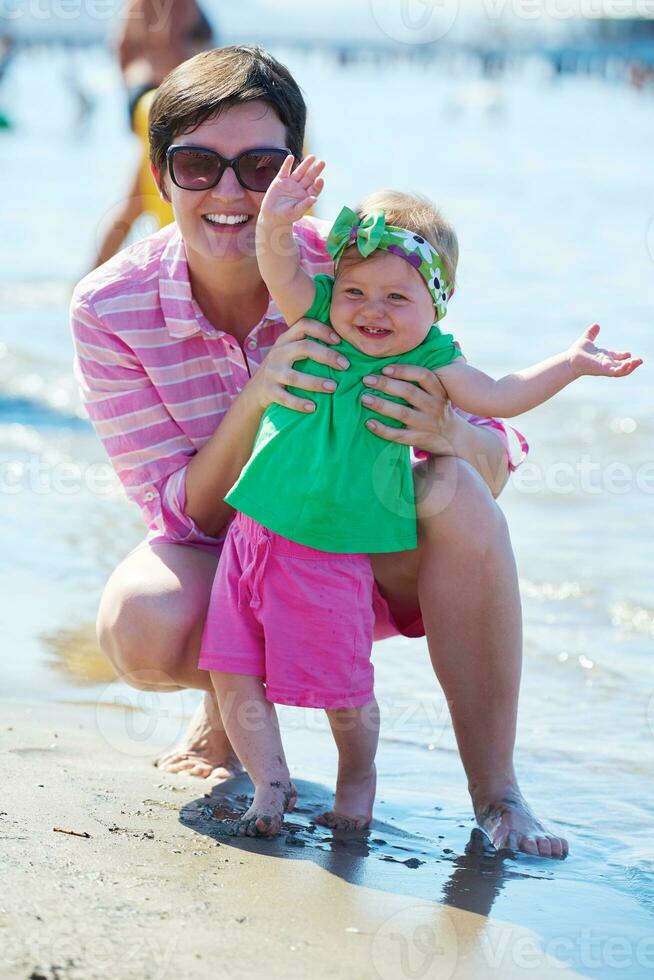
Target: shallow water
pixel 550 188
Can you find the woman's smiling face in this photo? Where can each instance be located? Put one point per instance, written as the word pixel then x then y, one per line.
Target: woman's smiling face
pixel 381 305
pixel 202 215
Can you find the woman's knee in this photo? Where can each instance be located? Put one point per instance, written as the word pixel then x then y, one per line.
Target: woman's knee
pixel 143 635
pixel 152 612
pixel 454 503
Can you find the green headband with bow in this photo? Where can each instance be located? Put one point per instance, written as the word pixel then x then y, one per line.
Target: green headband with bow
pixel 371 233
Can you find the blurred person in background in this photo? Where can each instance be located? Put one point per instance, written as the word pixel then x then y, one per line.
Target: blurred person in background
pixel 154 38
pixel 7 51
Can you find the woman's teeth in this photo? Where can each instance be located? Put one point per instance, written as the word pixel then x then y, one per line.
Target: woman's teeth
pixel 226 219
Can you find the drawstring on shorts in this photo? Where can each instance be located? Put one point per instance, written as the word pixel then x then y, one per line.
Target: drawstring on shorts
pixel 256 569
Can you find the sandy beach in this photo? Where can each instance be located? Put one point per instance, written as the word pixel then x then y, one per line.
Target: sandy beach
pixel 157 891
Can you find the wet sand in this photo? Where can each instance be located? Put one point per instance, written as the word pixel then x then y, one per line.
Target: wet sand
pixel 156 890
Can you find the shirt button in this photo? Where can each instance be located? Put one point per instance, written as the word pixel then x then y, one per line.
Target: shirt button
pixel 252 345
pixel 150 495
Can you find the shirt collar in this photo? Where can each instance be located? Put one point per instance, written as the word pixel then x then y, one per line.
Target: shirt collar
pixel 177 304
pixel 183 316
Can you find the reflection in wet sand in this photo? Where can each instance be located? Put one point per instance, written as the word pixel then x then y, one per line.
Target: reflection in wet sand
pixel 75 654
pixel 470 881
pixel 472 885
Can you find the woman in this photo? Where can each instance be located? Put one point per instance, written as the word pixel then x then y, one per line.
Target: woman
pixel 179 352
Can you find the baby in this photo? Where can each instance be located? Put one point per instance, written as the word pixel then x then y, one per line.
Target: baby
pixel 290 617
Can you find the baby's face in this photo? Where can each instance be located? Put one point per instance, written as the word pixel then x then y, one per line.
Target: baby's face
pixel 381 305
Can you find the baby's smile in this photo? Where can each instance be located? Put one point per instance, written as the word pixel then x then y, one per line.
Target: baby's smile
pixel 373 331
pixel 381 304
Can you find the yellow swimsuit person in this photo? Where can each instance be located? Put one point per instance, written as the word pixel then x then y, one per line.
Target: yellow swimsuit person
pixel 152 202
pixel 151 42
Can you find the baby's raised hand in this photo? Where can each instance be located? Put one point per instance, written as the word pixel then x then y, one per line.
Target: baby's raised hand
pixel 585 358
pixel 293 192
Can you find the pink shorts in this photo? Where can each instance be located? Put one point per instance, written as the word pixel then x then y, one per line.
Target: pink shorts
pixel 385 625
pixel 299 618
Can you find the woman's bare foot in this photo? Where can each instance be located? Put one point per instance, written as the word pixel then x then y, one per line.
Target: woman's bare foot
pixel 352 804
pixel 510 824
pixel 205 750
pixel 266 815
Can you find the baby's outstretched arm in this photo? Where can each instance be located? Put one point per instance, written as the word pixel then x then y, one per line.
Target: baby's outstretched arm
pixel 476 392
pixel 289 197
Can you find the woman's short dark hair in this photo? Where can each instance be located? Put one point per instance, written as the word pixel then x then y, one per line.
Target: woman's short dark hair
pixel 204 86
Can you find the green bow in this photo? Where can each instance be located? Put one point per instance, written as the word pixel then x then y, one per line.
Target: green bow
pixel 369 233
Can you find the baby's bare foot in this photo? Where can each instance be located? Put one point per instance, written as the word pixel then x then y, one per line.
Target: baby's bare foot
pixel 510 824
pixel 352 804
pixel 205 750
pixel 266 815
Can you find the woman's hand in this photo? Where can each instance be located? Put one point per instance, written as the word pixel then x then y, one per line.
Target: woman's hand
pixel 585 358
pixel 428 418
pixel 276 371
pixel 292 192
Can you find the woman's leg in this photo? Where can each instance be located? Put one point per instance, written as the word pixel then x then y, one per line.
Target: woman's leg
pixel 356 733
pixel 149 625
pixel 463 579
pixel 251 723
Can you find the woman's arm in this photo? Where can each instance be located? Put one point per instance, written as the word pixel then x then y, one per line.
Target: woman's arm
pixel 147 448
pixel 178 488
pixel 216 466
pixel 516 393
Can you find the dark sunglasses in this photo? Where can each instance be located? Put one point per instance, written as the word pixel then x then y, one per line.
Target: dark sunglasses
pixel 197 168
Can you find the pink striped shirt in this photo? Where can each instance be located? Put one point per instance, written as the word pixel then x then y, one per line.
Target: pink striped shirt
pixel 156 377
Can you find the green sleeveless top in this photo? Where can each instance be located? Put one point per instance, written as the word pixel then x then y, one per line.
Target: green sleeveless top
pixel 323 479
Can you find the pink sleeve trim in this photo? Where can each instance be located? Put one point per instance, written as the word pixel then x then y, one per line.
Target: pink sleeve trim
pixel 516 446
pixel 176 525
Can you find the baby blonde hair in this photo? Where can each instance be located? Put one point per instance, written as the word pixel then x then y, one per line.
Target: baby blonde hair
pixel 417 214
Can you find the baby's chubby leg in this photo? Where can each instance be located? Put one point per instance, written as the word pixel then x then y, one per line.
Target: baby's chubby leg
pixel 251 722
pixel 356 733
